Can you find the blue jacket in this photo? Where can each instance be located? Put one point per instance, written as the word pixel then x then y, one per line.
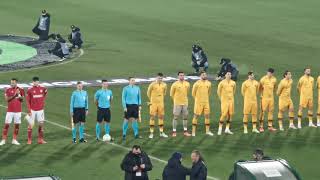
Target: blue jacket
pixel 79 99
pixel 131 95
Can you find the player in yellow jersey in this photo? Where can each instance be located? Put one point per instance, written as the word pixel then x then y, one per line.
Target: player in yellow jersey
pixel 318 112
pixel 156 92
pixel 249 92
pixel 179 93
pixel 267 88
pixel 226 91
pixel 201 91
pixel 305 90
pixel 285 101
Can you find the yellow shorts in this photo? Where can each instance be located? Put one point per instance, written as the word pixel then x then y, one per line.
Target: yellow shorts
pixel 267 104
pixel 156 109
pixel 250 108
pixel 306 102
pixel 200 108
pixel 285 104
pixel 227 108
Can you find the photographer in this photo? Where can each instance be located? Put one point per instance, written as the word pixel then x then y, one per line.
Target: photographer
pixel 61 48
pixel 136 164
pixel 199 59
pixel 227 66
pixel 75 37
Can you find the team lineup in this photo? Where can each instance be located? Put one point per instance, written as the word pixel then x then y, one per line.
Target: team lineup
pixel 251 90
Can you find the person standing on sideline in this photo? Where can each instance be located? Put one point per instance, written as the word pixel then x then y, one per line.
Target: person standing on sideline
pixel 136 164
pixel 199 169
pixel 102 99
pixel 79 110
pixel 131 103
pixel 174 170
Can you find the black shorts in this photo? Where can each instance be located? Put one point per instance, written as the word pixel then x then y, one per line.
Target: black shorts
pixel 103 114
pixel 132 111
pixel 79 115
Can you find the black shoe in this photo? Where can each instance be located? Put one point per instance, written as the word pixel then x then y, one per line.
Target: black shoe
pixel 74 141
pixel 97 139
pixel 83 140
pixel 138 137
pixel 123 137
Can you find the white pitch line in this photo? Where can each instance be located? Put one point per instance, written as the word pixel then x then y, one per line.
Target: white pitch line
pixel 113 144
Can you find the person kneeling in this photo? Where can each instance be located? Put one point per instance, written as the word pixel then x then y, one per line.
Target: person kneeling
pixel 61 48
pixel 75 37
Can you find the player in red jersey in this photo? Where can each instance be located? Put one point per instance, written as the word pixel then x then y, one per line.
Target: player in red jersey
pixel 36 96
pixel 14 96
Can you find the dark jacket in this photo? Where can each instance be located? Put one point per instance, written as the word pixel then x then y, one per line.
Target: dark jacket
pixel 131 160
pixel 76 38
pixel 199 55
pixel 174 170
pixel 198 171
pixel 43 34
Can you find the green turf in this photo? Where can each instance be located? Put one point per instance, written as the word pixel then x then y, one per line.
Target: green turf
pixel 124 38
pixel 15 52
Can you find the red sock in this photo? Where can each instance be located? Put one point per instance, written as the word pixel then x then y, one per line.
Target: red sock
pixel 40 133
pixel 29 134
pixel 16 131
pixel 5 131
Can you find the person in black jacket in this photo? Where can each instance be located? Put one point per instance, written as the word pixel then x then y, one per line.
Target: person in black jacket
pixel 199 59
pixel 75 37
pixel 199 169
pixel 43 26
pixel 61 48
pixel 227 66
pixel 174 170
pixel 136 164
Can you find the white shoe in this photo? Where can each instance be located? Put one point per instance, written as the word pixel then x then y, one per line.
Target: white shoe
pixel 292 127
pixel 245 131
pixel 299 126
pixel 15 142
pixel 2 142
pixel 227 131
pixel 219 132
pixel 281 129
pixel 318 124
pixel 151 136
pixel 209 133
pixel 312 125
pixel 193 135
pixel 163 135
pixel 255 131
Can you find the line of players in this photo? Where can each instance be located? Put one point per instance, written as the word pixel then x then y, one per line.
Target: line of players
pixel 201 91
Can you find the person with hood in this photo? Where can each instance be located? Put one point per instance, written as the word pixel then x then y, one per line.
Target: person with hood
pixel 227 66
pixel 61 48
pixel 136 164
pixel 174 170
pixel 199 169
pixel 43 26
pixel 199 59
pixel 75 37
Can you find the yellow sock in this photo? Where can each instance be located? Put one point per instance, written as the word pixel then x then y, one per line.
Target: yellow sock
pixel 194 125
pixel 245 126
pixel 254 125
pixel 228 125
pixel 161 125
pixel 280 124
pixel 291 121
pixel 207 122
pixel 270 121
pixel 151 125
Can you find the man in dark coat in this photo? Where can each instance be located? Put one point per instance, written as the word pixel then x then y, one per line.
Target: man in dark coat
pixel 61 48
pixel 174 170
pixel 199 59
pixel 136 164
pixel 43 26
pixel 199 169
pixel 227 66
pixel 75 37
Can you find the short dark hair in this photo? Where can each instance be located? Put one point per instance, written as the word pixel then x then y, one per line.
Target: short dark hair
pixel 180 72
pixel 14 79
pixel 160 74
pixel 104 80
pixel 35 79
pixel 286 73
pixel 136 147
pixel 271 70
pixel 44 11
pixel 201 72
pixel 306 68
pixel 129 78
pixel 79 82
pixel 258 152
pixel 250 73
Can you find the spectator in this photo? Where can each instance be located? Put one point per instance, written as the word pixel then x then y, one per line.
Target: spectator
pixel 136 164
pixel 174 170
pixel 199 169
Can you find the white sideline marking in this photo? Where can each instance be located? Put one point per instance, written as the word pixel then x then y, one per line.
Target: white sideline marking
pixel 113 144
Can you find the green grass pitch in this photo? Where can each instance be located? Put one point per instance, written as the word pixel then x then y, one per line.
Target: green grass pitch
pixel 125 38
